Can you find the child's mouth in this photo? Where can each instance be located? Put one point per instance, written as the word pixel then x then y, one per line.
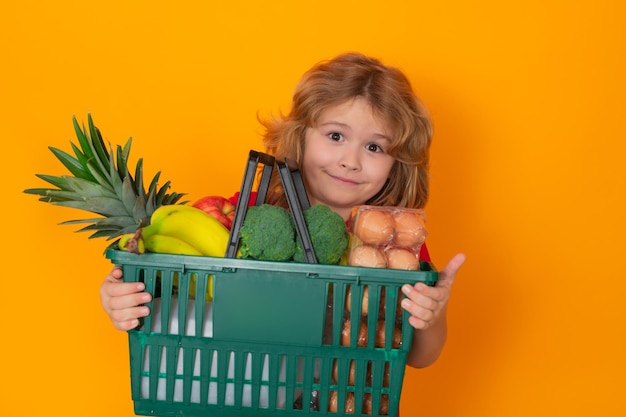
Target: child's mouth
pixel 343 181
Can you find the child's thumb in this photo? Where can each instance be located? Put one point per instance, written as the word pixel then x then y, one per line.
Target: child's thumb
pixel 448 273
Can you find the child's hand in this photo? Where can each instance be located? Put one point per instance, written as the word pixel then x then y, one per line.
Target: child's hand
pixel 122 300
pixel 427 304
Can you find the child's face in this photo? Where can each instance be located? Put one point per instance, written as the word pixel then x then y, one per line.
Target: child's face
pixel 345 160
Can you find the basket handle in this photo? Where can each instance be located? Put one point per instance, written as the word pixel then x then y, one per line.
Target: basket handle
pixel 254 159
pixel 294 191
pixel 298 202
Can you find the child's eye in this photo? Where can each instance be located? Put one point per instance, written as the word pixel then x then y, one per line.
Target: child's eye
pixel 336 136
pixel 372 147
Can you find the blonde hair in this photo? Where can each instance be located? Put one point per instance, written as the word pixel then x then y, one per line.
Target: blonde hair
pixel 391 96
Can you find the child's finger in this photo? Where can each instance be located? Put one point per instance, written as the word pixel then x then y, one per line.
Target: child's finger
pixel 448 273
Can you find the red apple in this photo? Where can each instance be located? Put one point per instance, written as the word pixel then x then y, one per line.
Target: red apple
pixel 219 207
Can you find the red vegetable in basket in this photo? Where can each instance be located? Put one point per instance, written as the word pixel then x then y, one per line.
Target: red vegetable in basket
pixel 219 207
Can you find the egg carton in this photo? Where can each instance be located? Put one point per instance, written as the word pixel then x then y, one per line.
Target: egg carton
pixel 386 237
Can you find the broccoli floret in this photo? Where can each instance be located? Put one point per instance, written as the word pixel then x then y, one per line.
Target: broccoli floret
pixel 328 233
pixel 267 233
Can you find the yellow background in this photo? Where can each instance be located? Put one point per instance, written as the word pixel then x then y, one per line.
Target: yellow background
pixel 528 178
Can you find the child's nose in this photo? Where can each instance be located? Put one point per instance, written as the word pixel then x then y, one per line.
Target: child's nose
pixel 349 161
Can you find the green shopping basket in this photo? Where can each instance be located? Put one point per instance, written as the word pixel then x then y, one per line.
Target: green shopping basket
pixel 278 338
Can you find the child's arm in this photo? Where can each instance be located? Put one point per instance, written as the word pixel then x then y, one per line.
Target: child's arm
pixel 427 306
pixel 122 300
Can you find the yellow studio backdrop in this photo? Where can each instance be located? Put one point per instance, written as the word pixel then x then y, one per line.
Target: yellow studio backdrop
pixel 528 105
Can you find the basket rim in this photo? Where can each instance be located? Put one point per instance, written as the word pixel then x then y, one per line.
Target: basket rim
pixel 427 272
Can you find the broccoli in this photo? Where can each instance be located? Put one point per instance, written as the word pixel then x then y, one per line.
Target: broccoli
pixel 267 233
pixel 328 233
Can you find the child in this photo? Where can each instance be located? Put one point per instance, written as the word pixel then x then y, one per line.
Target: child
pixel 360 136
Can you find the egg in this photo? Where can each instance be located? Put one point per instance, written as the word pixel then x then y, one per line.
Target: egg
pixel 361 339
pixel 349 405
pixel 366 408
pixel 408 228
pixel 384 405
pixel 396 339
pixel 332 402
pixel 364 300
pixel 369 256
pixel 374 227
pixel 351 371
pixel 399 258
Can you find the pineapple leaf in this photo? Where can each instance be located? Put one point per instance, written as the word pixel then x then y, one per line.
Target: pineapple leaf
pixel 162 193
pixel 58 182
pixel 85 188
pixel 139 178
pixel 38 191
pixel 126 151
pixel 83 160
pixel 151 203
pixel 131 228
pixel 100 179
pixel 71 163
pixel 57 196
pixel 96 139
pixel 105 206
pixel 128 196
pixel 112 230
pixel 122 162
pixel 104 233
pixel 139 209
pixel 174 198
pixel 97 227
pixel 116 180
pixel 81 221
pixel 88 148
pixel 83 140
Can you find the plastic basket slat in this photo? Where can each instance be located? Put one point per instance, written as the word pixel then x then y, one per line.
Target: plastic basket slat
pixel 255 375
pixel 206 360
pixel 291 379
pixel 309 364
pixel 155 355
pixel 222 370
pixel 170 378
pixel 276 384
pixel 188 363
pixel 339 297
pixel 325 374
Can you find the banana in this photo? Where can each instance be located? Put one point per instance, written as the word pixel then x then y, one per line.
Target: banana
pixel 121 244
pixel 192 286
pixel 159 214
pixel 132 242
pixel 163 211
pixel 172 245
pixel 183 230
pixel 169 244
pixel 191 225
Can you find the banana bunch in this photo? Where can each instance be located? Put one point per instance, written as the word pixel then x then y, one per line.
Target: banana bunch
pixel 180 230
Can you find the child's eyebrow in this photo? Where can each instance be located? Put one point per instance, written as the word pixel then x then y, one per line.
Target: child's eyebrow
pixel 380 136
pixel 331 122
